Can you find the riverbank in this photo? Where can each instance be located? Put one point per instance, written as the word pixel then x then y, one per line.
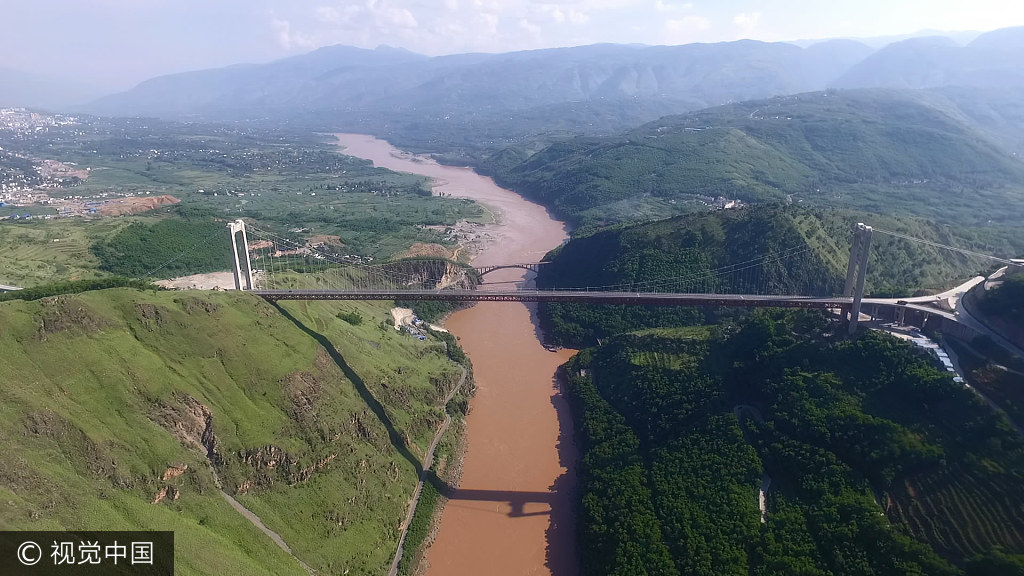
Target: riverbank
pixel 512 511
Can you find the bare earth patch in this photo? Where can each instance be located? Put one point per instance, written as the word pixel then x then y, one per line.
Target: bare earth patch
pixel 318 240
pixel 421 250
pixel 135 205
pixel 212 281
pixel 402 317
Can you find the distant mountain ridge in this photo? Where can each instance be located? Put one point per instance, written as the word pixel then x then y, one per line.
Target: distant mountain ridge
pixel 342 76
pixel 992 60
pixel 600 88
pixel 466 101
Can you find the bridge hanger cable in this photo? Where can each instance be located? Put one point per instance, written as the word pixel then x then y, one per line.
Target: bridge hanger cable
pixel 717 272
pixel 749 265
pixel 333 259
pixel 371 271
pixel 714 273
pixel 947 247
pixel 379 273
pixel 752 264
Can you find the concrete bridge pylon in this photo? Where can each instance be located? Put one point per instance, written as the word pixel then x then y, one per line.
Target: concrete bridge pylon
pixel 856 272
pixel 243 276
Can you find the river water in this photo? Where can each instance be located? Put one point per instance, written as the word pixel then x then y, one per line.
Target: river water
pixel 512 512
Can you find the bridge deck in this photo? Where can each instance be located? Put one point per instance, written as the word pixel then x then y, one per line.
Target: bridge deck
pixel 646 298
pixel 643 298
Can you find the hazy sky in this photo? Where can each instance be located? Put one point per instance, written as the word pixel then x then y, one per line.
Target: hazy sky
pixel 117 43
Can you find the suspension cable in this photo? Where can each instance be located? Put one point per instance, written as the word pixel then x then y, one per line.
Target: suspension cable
pixel 947 247
pixel 370 271
pixel 710 274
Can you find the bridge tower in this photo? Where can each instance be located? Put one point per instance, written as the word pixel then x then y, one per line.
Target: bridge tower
pixel 856 270
pixel 243 277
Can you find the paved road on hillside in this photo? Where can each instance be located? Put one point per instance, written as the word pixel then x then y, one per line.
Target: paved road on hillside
pixel 428 461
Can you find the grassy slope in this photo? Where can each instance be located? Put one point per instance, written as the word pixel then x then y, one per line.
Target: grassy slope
pixel 39 252
pixel 86 379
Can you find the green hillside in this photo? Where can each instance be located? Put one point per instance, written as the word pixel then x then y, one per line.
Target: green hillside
pixel 807 252
pixel 873 460
pixel 112 399
pixel 880 151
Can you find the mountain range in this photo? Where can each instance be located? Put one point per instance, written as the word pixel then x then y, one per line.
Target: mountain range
pixel 991 61
pixel 463 100
pixel 341 77
pixel 445 102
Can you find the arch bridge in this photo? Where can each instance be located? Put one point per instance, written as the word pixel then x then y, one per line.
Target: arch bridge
pixel 531 266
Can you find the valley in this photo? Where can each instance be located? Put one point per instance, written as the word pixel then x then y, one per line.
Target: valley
pixel 733 307
pixel 518 469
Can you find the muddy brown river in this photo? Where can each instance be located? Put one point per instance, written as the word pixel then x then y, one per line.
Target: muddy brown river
pixel 511 514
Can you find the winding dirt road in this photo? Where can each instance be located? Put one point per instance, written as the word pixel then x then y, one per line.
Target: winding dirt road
pixel 428 461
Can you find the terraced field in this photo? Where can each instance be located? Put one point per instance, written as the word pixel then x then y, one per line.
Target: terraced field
pixel 963 512
pixel 57 250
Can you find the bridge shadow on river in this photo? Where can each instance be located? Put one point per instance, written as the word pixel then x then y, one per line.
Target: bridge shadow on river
pixel 558 502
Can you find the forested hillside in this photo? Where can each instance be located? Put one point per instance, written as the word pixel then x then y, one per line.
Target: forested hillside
pixel 1002 309
pixel 806 252
pixel 166 248
pixel 872 460
pixel 879 151
pixel 125 409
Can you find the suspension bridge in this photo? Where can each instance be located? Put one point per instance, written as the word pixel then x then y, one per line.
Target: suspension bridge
pixel 289 268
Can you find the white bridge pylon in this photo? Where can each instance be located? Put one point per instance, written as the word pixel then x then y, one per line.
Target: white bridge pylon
pixel 243 277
